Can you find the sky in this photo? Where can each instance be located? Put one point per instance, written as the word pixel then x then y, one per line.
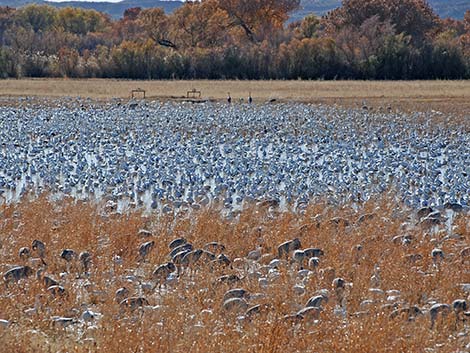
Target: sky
pixel 85 0
pixel 97 0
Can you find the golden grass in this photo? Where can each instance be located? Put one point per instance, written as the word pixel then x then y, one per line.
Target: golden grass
pixel 189 317
pixel 446 96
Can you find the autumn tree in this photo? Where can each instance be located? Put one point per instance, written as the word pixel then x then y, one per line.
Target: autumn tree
pixel 131 13
pixel 138 60
pixel 6 20
pixel 447 56
pixel 309 58
pixel 20 39
pixel 309 26
pixel 199 24
pixel 412 17
pixel 68 61
pixel 256 17
pixel 128 27
pixel 466 21
pixel 465 38
pixel 155 23
pixel 36 17
pixel 360 46
pixel 80 21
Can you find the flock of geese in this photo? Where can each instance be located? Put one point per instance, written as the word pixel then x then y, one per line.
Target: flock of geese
pixel 168 157
pixel 175 157
pixel 185 260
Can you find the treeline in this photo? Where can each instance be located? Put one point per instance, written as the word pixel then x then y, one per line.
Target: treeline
pixel 237 39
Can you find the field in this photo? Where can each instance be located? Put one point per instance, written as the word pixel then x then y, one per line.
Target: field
pixel 445 96
pixel 187 315
pixel 302 227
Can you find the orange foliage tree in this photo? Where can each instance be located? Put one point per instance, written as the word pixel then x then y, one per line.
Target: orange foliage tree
pixel 199 24
pixel 155 23
pixel 257 16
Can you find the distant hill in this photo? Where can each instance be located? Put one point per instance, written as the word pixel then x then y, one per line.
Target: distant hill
pixel 319 7
pixel 114 9
pixel 451 8
pixel 445 8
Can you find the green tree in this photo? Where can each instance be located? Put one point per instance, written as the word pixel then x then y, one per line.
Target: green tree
pixel 309 26
pixel 36 17
pixel 79 21
pixel 6 20
pixel 447 57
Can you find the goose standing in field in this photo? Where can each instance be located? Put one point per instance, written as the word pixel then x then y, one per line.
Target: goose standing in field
pixel 437 310
pixel 69 256
pixel 222 261
pixel 47 280
pixel 121 294
pixel 177 242
pixel 24 253
pixel 375 279
pixel 317 301
pixel 460 307
pixel 39 248
pixel 437 256
pixel 85 260
pixel 313 263
pixel 17 273
pixel 298 256
pixel 62 322
pixel 285 248
pixel 235 304
pixel 339 287
pixel 133 303
pixel 144 250
pixel 161 273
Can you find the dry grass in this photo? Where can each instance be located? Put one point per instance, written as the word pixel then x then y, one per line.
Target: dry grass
pixel 189 318
pixel 446 96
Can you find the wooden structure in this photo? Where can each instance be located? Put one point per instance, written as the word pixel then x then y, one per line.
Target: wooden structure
pixel 193 94
pixel 136 92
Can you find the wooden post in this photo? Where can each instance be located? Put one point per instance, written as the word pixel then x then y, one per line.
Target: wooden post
pixel 136 91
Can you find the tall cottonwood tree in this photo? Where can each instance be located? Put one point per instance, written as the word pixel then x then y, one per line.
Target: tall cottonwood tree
pixel 465 38
pixel 411 17
pixel 6 20
pixel 199 24
pixel 155 23
pixel 257 16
